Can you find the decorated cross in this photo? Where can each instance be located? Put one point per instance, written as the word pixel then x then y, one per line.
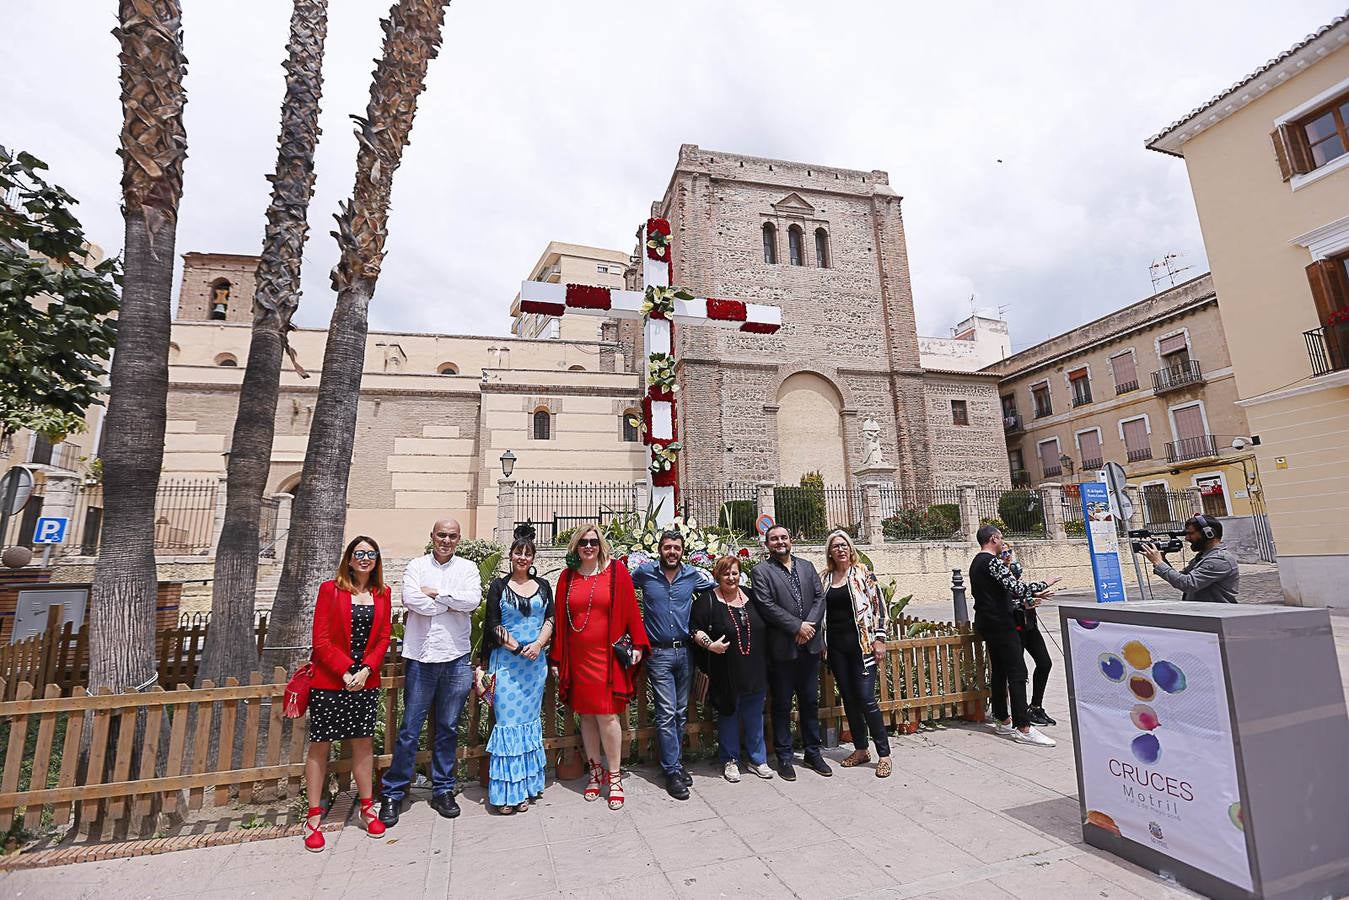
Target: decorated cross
pixel 659 306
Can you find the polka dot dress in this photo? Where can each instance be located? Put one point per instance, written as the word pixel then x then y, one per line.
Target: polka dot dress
pixel 338 715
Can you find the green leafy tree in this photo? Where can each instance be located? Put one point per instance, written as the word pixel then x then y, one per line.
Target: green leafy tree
pixel 56 305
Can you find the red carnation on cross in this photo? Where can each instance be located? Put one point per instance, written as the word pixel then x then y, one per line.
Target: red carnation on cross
pixel 587 296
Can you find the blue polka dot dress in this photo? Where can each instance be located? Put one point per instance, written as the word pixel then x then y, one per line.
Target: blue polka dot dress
pixel 516 746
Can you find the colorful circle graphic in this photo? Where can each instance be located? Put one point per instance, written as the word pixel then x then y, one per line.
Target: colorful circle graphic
pixel 1112 666
pixel 1088 624
pixel 1146 748
pixel 1101 820
pixel 1142 688
pixel 1144 717
pixel 1169 677
pixel 1137 654
pixel 1235 817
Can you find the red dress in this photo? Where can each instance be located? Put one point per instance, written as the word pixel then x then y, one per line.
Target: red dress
pixel 593 613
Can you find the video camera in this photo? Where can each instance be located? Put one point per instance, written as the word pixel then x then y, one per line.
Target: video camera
pixel 1174 540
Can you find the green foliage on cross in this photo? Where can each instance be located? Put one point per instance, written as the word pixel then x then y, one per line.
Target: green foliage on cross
pixel 56 305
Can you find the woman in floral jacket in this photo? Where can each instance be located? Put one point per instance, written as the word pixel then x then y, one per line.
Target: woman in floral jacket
pixel 856 627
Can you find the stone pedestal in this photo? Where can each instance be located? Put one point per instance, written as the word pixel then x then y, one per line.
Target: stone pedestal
pixel 1051 497
pixel 871 479
pixel 766 505
pixel 505 530
pixel 284 503
pixel 218 526
pixel 969 513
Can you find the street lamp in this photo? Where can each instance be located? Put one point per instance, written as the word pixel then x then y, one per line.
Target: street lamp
pixel 1066 463
pixel 507 463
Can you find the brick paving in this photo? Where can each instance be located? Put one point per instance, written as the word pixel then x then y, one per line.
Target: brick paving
pixel 966 814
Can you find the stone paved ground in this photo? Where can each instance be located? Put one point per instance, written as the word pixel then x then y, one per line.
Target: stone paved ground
pixel 967 815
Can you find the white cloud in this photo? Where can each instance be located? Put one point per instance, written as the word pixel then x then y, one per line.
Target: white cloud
pixel 547 120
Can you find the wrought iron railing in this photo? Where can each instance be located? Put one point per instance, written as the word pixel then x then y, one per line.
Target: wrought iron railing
pixel 555 509
pixel 1125 387
pixel 1192 448
pixel 1052 471
pixel 1177 376
pixel 1139 454
pixel 1011 421
pixel 1095 462
pixel 921 515
pixel 1328 348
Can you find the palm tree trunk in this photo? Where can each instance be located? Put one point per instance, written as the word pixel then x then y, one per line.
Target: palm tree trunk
pixel 231 647
pixel 153 147
pixel 318 519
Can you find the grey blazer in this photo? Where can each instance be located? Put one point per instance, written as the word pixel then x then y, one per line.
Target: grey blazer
pixel 772 590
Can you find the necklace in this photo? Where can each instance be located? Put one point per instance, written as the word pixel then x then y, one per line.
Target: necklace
pixel 743 642
pixel 590 601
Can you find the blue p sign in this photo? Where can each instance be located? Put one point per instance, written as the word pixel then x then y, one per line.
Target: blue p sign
pixel 50 530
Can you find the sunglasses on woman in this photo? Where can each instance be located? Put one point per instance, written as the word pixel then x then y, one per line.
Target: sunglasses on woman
pixel 365 554
pixel 588 542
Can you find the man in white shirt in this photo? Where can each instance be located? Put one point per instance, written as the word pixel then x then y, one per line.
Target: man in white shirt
pixel 440 592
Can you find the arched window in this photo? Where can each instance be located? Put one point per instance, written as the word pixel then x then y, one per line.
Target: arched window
pixel 630 431
pixel 576 368
pixel 770 243
pixel 543 425
pixel 795 247
pixel 220 299
pixel 448 368
pixel 821 248
pixel 226 359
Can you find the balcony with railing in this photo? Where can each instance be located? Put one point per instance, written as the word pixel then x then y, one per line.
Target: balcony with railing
pixel 1095 462
pixel 1328 348
pixel 1020 478
pixel 1198 447
pixel 1125 387
pixel 1011 421
pixel 1178 376
pixel 1138 454
pixel 1052 471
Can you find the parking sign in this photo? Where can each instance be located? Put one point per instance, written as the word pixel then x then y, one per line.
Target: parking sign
pixel 50 530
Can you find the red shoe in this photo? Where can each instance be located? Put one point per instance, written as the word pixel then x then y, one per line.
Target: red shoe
pixel 616 796
pixel 597 778
pixel 313 841
pixel 373 826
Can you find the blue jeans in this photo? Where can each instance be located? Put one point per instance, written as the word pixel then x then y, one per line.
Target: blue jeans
pixel 669 672
pixel 442 687
pixel 747 718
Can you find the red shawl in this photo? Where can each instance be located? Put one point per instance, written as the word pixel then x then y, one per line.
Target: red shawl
pixel 625 617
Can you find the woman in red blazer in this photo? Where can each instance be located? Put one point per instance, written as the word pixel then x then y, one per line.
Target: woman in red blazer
pixel 352 623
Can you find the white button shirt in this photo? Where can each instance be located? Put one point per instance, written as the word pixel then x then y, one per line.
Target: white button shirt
pixel 439 629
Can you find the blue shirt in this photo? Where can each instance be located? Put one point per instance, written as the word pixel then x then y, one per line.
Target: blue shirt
pixel 666 605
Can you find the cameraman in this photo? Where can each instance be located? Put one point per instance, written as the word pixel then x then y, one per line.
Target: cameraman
pixel 1212 576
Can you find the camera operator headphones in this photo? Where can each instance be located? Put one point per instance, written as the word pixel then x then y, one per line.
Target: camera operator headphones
pixel 1205 528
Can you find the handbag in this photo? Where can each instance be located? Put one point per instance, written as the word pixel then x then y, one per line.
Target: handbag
pixel 296 702
pixel 701 685
pixel 623 650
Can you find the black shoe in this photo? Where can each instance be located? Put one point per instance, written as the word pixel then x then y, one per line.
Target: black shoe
pixel 1038 716
pixel 388 812
pixel 684 774
pixel 817 764
pixel 446 805
pixel 786 771
pixel 675 786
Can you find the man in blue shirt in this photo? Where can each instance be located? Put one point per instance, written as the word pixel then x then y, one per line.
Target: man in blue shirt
pixel 667 596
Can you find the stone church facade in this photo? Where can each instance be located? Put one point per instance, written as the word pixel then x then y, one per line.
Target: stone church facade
pixel 437 411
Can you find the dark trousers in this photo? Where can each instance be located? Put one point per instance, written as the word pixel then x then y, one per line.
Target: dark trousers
pixel 857 687
pixel 1034 643
pixel 438 689
pixel 798 678
pixel 1006 659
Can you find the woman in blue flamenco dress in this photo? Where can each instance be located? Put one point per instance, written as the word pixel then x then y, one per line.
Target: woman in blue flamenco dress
pixel 517 627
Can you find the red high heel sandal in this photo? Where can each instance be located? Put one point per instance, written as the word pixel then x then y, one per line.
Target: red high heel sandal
pixel 598 777
pixel 373 826
pixel 616 796
pixel 313 841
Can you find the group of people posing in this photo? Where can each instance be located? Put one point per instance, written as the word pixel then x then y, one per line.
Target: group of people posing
pixel 693 631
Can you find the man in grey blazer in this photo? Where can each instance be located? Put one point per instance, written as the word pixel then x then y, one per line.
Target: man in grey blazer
pixel 788 596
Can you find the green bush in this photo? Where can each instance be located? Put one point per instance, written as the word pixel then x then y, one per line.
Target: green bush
pixel 563 537
pixel 994 520
pixel 802 509
pixel 1022 511
pixel 738 516
pixel 948 514
pixel 1075 528
pixel 931 524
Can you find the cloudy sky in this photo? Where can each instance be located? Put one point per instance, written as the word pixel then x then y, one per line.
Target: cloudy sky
pixel 1014 132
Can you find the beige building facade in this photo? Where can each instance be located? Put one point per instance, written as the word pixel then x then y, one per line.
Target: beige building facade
pixel 1149 387
pixel 1268 162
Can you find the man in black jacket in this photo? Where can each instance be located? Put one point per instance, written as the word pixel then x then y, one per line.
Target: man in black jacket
pixel 997 597
pixel 789 598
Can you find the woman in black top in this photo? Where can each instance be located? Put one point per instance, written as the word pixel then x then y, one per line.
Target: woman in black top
pixel 733 653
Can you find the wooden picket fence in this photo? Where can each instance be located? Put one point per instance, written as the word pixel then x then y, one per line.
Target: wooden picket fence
pixel 127 781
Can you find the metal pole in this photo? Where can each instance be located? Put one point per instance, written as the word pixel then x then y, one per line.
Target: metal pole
pixel 962 612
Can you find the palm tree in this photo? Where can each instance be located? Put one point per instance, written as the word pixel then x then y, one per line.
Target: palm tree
pixel 153 147
pixel 318 519
pixel 231 648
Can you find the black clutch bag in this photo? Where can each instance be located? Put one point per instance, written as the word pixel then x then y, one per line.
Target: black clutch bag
pixel 623 650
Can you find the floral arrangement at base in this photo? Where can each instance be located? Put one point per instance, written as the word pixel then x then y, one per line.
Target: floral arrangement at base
pixel 635 538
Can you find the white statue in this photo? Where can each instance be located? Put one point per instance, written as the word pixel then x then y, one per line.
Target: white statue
pixel 871 434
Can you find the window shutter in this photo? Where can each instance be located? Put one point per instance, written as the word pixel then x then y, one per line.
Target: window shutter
pixel 1330 287
pixel 1077 373
pixel 1089 442
pixel 1173 344
pixel 1123 367
pixel 1281 154
pixel 1291 150
pixel 1135 435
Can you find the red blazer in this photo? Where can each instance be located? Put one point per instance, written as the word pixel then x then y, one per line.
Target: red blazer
pixel 332 637
pixel 625 617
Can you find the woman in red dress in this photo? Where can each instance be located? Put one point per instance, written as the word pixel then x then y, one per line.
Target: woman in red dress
pixel 596 609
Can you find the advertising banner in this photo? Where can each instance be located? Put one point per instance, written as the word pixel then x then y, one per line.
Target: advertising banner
pixel 1155 743
pixel 1102 541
